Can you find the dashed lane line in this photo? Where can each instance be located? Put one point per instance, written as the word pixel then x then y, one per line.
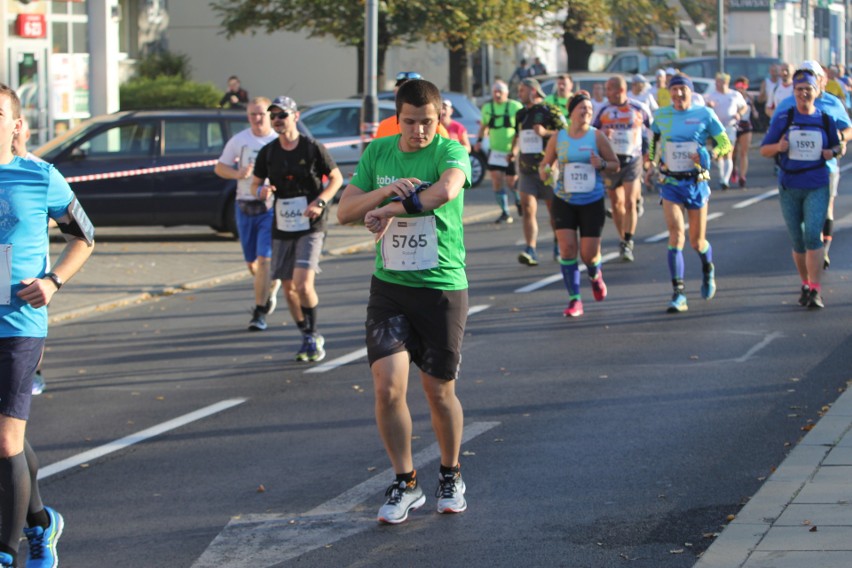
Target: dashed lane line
pixel 127 441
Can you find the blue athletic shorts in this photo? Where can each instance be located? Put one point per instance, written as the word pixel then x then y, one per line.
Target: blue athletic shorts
pixel 255 233
pixel 19 357
pixel 691 196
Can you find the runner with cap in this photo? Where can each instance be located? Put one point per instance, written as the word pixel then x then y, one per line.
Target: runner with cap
pixel 455 129
pixel 498 123
pixel 801 148
pixel 639 91
pixel 390 125
pixel 580 155
pixel 833 107
pixel 661 92
pixel 295 166
pixel 537 122
pixel 680 162
pixel 729 107
pixel 625 122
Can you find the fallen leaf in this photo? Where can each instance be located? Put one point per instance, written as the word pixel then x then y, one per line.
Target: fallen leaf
pixel 808 427
pixel 730 518
pixel 807 522
pixel 371 468
pixel 693 357
pixel 812 529
pixel 467 453
pixel 515 310
pixel 676 551
pixel 261 489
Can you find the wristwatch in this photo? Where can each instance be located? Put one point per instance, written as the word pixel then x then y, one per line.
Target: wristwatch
pixel 603 166
pixel 321 203
pixel 55 278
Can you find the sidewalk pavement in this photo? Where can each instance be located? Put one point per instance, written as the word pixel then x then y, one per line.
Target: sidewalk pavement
pixel 802 516
pixel 132 265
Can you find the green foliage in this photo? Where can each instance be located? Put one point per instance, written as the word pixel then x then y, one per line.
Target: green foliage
pixel 589 20
pixel 164 63
pixel 167 92
pixel 702 11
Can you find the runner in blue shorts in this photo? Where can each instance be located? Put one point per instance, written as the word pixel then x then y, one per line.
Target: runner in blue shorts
pixel 32 192
pixel 254 216
pixel 680 161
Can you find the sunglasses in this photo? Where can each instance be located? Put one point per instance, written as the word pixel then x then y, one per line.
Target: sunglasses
pixel 408 76
pixel 281 115
pixel 802 73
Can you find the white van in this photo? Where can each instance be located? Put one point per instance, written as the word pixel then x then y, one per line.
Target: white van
pixel 630 60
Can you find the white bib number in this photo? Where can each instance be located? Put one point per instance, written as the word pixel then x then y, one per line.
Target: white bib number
pixel 290 214
pixel 499 159
pixel 622 142
pixel 579 178
pixel 679 156
pixel 5 274
pixel 531 143
pixel 247 157
pixel 410 244
pixel 805 145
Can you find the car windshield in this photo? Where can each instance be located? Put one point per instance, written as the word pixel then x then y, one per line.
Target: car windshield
pixel 47 150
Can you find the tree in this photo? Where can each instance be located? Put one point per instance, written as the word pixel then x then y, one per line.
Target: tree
pixel 634 20
pixel 464 25
pixel 341 19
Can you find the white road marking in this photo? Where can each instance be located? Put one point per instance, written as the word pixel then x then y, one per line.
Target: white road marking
pixel 665 234
pixel 538 285
pixel 120 444
pixel 846 167
pixel 361 353
pixel 755 199
pixel 265 540
pixel 766 341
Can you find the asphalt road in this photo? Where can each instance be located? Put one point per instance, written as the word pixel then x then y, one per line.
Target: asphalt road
pixel 623 438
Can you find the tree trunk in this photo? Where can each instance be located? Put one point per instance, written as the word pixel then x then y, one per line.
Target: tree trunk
pixel 460 73
pixel 578 52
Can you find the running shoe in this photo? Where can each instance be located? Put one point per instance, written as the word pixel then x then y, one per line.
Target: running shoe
pixel 826 262
pixel 504 218
pixel 302 354
pixel 402 498
pixel 450 493
pixel 43 541
pixel 708 282
pixel 742 182
pixel 528 257
pixel 640 206
pixel 271 304
pixel 804 296
pixel 815 300
pixel 724 186
pixel 626 251
pixel 574 309
pixel 38 383
pixel 258 320
pixel 315 348
pixel 5 560
pixel 599 287
pixel 609 213
pixel 734 177
pixel 678 303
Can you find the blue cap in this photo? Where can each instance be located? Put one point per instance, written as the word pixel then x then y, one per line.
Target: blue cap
pixel 681 80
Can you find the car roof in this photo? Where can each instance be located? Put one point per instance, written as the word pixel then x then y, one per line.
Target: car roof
pixel 341 102
pixel 727 58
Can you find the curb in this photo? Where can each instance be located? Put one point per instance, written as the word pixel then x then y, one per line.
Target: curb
pixel 738 540
pixel 119 302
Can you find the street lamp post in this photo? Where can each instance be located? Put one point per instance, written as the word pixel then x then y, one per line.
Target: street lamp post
pixel 370 109
pixel 720 33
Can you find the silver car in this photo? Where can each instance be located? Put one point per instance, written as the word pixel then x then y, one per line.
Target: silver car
pixel 337 125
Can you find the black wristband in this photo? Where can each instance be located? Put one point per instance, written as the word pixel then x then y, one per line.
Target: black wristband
pixel 412 204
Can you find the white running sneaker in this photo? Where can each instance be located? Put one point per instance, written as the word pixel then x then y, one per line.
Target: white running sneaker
pixel 450 493
pixel 402 498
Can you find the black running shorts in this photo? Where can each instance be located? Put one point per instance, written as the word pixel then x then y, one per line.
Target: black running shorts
pixel 19 357
pixel 588 218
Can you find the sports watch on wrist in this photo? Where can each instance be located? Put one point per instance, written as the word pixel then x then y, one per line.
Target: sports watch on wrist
pixel 321 203
pixel 55 279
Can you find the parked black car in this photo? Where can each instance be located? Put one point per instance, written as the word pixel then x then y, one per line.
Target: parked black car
pixel 151 167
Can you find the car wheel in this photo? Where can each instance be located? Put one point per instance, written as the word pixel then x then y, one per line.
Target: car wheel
pixel 229 221
pixel 477 168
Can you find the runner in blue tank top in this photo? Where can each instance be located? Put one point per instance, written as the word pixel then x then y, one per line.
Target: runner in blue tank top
pixel 579 154
pixel 679 155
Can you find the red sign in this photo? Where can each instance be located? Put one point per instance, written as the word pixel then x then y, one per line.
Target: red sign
pixel 31 26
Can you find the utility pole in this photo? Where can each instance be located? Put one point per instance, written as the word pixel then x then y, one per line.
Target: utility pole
pixel 370 110
pixel 720 34
pixel 103 58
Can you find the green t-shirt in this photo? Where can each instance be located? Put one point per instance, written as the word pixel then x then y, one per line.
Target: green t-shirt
pixel 500 120
pixel 559 102
pixel 381 164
